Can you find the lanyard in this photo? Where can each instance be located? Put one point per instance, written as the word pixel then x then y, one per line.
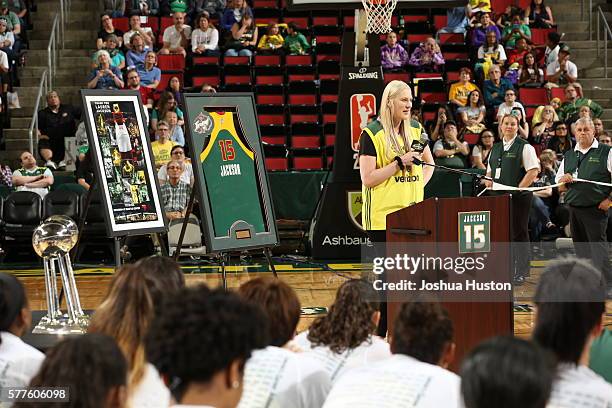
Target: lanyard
pixel 581 159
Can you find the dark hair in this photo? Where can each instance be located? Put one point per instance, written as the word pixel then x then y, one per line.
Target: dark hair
pixel 279 303
pixel 349 320
pixel 90 365
pixel 495 137
pixel 554 37
pixel 571 300
pixel 522 121
pixel 12 300
pixel 168 84
pixel 422 330
pixel 480 99
pixel 559 123
pixel 201 332
pixel 507 372
pixel 524 69
pixel 176 147
pixel 292 26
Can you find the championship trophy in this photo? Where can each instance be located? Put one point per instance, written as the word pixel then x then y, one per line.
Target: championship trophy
pixel 53 240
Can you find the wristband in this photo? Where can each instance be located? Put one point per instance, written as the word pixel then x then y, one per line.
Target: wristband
pixel 400 164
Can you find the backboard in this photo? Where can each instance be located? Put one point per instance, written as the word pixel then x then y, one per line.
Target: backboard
pixel 356 4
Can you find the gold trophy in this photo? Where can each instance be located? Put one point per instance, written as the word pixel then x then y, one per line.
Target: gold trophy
pixel 52 240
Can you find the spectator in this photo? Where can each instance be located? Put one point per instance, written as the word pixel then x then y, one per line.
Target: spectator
pixel 137 55
pixel 517 55
pixel 163 145
pixel 6 175
pixel 114 8
pixel 146 94
pixel 456 21
pixel 569 109
pixel 244 38
pixel 584 112
pixel 19 361
pixel 116 56
pixel 357 345
pixel 104 76
pixel 606 139
pixel 176 37
pixel 150 75
pixel 551 53
pixel 175 193
pixel 145 7
pixel 212 8
pixel 523 128
pixel 7 40
pixel 505 19
pixel 530 74
pixel 563 71
pixel 490 53
pixel 486 25
pixel 459 92
pixel 20 8
pixel 176 132
pixel 177 153
pixel 91 366
pixel 539 15
pixel 197 319
pixel 427 57
pixel 284 378
pixel 451 150
pixel 473 115
pixel 295 42
pixel 135 295
pixel 176 88
pixel 561 142
pixel 543 203
pixel 556 103
pixel 84 173
pixel 515 31
pixel 106 30
pixel 13 23
pixel 166 102
pixel 178 6
pixel 205 38
pixel 544 130
pixel 56 122
pixel 392 54
pixel 495 88
pixel 146 33
pixel 482 149
pixel 235 14
pixel 507 372
pixel 32 178
pixel 272 42
pixel 510 103
pixel 599 128
pixel 570 299
pixel 422 347
pixel 436 127
pixel 82 142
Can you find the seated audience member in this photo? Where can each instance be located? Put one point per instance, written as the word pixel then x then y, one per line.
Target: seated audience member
pixel 456 21
pixel 515 31
pixel 244 38
pixel 568 111
pixel 544 201
pixel 392 54
pixel 495 88
pixel 551 52
pixel 486 25
pixel 176 88
pixel 114 8
pixel 523 129
pixel 530 74
pixel 516 55
pixel 107 29
pixel 175 193
pixel 6 175
pixel 176 37
pixel 205 38
pixel 489 53
pixel 422 347
pixel 178 154
pixel 539 15
pixel 84 173
pixel 563 71
pixel 19 361
pixel 30 177
pixel 20 8
pixel 599 128
pixel 82 141
pixel 600 356
pixel 473 115
pixel 340 351
pixel 436 127
pixel 134 296
pixel 450 150
pixel 91 366
pixel 166 103
pixel 135 58
pixel 150 75
pixel 585 112
pixel 163 145
pixel 235 14
pixel 606 139
pixel 146 94
pixel 295 42
pixel 56 122
pixel 212 8
pixel 116 56
pixel 544 130
pixel 507 372
pixel 145 7
pixel 272 42
pixel 276 374
pixel 176 132
pixel 509 104
pixel 7 40
pixel 197 319
pixel 146 33
pixel 105 76
pixel 570 300
pixel 459 92
pixel 427 57
pixel 482 149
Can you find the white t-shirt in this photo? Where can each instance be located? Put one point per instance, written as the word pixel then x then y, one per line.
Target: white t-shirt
pixel 579 386
pixel 400 381
pixel 41 191
pixel 372 350
pixel 551 56
pixel 275 377
pixel 504 109
pixel 4 63
pixel 128 36
pixel 529 158
pixel 19 362
pixel 186 176
pixel 209 39
pixel 489 51
pixel 172 36
pixel 572 69
pixel 151 392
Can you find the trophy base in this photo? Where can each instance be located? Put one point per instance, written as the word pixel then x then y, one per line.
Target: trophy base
pixel 62 325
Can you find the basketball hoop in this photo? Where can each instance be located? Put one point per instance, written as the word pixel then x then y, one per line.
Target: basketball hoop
pixel 378 14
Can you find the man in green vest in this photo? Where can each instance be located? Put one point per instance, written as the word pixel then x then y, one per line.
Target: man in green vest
pixel 513 162
pixel 588 203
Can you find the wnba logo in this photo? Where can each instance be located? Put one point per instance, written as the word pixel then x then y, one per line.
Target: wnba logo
pixel 363 107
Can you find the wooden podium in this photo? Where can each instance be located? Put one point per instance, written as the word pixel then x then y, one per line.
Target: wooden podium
pixel 433 228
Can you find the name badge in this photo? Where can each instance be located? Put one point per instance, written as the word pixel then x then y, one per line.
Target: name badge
pixel 497 173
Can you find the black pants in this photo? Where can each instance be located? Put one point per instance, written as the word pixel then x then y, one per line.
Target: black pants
pixel 379 239
pixel 588 226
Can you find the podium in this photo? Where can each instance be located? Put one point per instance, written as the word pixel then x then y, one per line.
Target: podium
pixel 459 227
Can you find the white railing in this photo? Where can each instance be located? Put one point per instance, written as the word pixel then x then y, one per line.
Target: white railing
pixel 603 30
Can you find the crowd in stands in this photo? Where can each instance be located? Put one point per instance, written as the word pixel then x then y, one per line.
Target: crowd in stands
pixel 155 343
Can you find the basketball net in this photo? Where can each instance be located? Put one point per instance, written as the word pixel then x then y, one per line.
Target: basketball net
pixel 375 18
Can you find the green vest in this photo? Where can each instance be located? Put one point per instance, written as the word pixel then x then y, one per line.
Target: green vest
pixel 510 162
pixel 593 166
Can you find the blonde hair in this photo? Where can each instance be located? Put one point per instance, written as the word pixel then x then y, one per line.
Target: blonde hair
pixel 548 156
pixel 392 145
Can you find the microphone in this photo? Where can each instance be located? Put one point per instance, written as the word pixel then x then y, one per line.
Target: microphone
pixel 419 145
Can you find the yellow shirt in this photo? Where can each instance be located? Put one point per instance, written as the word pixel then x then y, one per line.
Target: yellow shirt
pixel 460 92
pixel 161 152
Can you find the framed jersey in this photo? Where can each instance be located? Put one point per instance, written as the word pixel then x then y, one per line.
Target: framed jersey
pixel 122 162
pixel 228 163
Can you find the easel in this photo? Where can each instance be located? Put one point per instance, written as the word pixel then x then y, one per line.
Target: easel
pixel 223 256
